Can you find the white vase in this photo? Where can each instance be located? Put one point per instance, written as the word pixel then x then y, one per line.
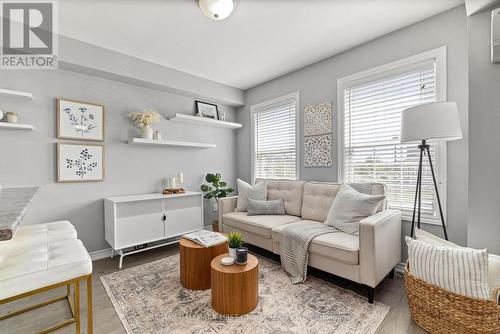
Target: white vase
pixel 146 132
pixel 232 252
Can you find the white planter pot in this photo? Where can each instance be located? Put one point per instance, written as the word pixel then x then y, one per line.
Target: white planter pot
pixel 232 252
pixel 147 132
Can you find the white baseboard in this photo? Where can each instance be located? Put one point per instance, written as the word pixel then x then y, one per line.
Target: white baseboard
pixel 100 254
pixel 400 268
pixel 104 253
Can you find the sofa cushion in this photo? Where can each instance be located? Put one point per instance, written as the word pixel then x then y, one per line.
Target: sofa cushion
pixel 350 207
pixel 372 189
pixel 260 225
pixel 318 199
pixel 246 192
pixel 274 207
pixel 291 192
pixel 340 246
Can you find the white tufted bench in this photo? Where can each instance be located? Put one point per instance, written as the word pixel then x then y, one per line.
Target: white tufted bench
pixel 43 257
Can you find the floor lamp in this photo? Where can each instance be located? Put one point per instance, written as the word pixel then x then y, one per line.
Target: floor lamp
pixel 427 123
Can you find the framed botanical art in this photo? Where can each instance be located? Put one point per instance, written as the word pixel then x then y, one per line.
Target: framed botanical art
pixel 204 109
pixel 80 162
pixel 80 120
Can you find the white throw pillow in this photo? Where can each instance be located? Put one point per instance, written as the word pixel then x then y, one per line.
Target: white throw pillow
pixel 246 191
pixel 350 207
pixel 493 260
pixel 457 269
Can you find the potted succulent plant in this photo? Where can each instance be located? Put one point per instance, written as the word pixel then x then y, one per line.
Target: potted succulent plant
pixel 235 241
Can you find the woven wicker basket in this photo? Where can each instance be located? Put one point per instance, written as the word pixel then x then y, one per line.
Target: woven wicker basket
pixel 440 311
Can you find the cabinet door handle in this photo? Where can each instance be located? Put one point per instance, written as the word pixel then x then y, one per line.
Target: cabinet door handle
pixel 164 217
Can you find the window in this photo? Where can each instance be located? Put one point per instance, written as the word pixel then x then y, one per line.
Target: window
pixel 274 141
pixel 372 107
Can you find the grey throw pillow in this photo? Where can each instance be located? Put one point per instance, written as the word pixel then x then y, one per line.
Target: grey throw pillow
pixel 274 207
pixel 350 207
pixel 246 191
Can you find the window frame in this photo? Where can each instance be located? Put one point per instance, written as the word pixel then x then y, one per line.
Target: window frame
pixel 438 57
pixel 253 111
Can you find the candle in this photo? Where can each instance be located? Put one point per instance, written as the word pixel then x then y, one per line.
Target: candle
pixel 241 255
pixel 180 178
pixel 172 183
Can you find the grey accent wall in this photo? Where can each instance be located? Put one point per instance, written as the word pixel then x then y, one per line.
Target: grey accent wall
pixel 29 157
pixel 81 57
pixel 484 162
pixel 318 83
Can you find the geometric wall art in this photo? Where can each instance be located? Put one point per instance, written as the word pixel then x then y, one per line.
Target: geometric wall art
pixel 80 120
pixel 318 135
pixel 318 151
pixel 80 162
pixel 318 119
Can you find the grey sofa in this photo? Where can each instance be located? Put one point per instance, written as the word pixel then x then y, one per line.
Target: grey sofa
pixel 365 258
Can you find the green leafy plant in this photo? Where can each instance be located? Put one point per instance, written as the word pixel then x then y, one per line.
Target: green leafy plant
pixel 217 187
pixel 234 239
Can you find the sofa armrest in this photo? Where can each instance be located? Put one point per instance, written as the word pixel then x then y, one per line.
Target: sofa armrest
pixel 226 205
pixel 379 246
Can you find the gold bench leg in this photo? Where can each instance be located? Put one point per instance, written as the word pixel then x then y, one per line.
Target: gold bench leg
pixel 77 307
pixel 90 323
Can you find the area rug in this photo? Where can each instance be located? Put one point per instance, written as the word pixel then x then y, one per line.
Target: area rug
pixel 150 299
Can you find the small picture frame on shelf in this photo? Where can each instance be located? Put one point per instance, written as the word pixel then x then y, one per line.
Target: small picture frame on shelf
pixel 80 120
pixel 208 110
pixel 80 162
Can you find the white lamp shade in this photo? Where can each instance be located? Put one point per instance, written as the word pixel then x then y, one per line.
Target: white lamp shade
pixel 216 9
pixel 431 121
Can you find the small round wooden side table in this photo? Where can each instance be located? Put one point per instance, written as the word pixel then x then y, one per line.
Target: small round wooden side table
pixel 235 288
pixel 195 263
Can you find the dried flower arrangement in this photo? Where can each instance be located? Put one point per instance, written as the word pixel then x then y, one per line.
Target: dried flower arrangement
pixel 144 118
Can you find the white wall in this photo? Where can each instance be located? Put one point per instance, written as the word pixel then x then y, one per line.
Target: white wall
pixel 318 83
pixel 484 163
pixel 28 158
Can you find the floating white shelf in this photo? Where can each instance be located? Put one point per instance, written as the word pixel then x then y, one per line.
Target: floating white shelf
pixel 15 93
pixel 204 121
pixel 16 126
pixel 140 141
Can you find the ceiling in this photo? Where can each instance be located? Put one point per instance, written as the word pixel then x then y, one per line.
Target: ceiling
pixel 261 40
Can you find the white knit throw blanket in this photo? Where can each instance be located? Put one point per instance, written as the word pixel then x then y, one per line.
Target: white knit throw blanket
pixel 294 247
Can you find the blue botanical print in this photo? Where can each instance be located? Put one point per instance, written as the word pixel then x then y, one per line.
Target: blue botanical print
pixel 83 124
pixel 82 166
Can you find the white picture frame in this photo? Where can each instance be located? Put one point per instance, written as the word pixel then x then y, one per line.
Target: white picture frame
pixel 80 162
pixel 80 120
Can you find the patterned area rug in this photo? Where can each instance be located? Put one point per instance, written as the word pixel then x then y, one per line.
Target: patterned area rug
pixel 150 299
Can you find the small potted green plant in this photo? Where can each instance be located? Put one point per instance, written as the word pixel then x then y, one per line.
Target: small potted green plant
pixel 235 241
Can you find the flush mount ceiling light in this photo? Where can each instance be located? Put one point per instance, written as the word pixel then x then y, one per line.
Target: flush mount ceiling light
pixel 216 9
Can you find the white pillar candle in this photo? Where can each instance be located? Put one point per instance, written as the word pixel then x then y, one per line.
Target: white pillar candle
pixel 172 182
pixel 180 178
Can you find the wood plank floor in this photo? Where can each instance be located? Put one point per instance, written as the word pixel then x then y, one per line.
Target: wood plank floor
pixel 106 320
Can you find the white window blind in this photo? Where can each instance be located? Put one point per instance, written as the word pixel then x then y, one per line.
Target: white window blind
pixel 274 135
pixel 372 130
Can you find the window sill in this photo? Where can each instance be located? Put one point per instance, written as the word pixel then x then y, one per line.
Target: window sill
pixel 407 216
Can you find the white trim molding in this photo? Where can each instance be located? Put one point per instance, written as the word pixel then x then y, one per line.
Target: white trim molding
pixel 100 254
pixel 438 57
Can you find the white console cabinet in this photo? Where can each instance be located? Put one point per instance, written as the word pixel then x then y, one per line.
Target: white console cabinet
pixel 136 220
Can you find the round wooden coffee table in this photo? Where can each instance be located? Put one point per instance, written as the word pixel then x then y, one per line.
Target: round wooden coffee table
pixel 195 263
pixel 235 288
